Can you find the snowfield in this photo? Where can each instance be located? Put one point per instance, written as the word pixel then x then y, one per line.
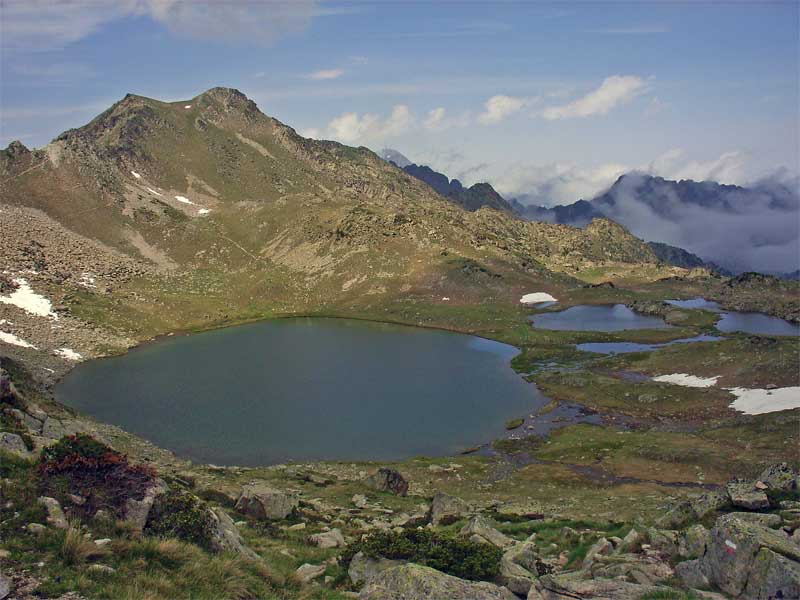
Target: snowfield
pixel 537 297
pixel 29 301
pixel 183 199
pixel 687 380
pixel 10 338
pixel 758 401
pixel 68 353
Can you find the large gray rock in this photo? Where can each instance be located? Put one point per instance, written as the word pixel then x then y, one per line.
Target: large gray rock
pixel 12 443
pixel 695 542
pixel 773 576
pixel 479 526
pixel 710 502
pixel 745 494
pixel 33 424
pixel 680 515
pixel 577 584
pixel 137 511
pixel 691 574
pixel 766 519
pixel 55 515
pixel 518 568
pixel 328 539
pixel 388 480
pixel 308 572
pixel 734 560
pixel 601 547
pixel 264 502
pixel 415 582
pixel 363 568
pixel 225 536
pixel 5 587
pixel 446 509
pixel 780 477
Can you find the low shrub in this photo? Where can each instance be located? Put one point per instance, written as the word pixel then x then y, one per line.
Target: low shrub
pixel 180 514
pixel 80 464
pixel 452 554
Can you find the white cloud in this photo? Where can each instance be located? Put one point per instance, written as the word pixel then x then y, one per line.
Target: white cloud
pixel 435 118
pixel 352 128
pixel 47 24
pixel 499 107
pixel 615 90
pixel 556 183
pixel 326 74
pixel 728 168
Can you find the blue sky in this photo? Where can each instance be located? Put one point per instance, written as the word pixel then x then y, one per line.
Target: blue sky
pixel 549 100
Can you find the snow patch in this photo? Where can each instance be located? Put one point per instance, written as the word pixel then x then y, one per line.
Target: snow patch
pixel 10 338
pixel 183 199
pixel 188 106
pixel 29 301
pixel 203 211
pixel 687 380
pixel 68 353
pixel 760 401
pixel 537 297
pixel 135 174
pixel 152 191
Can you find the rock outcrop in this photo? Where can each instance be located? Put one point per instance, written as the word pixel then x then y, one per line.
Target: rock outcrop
pixel 415 582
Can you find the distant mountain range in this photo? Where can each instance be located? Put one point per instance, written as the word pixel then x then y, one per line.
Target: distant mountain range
pixel 727 228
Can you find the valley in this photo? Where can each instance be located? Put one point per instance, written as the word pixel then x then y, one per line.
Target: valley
pixel 162 224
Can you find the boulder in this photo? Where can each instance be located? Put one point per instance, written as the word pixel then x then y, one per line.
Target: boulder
pixel 678 516
pixel 479 526
pixel 600 547
pixel 664 541
pixel 13 444
pixel 137 511
pixel 634 568
pixel 518 568
pixel 446 509
pixel 765 519
pixel 363 568
pixel 631 542
pixel 695 542
pixel 5 587
pixel 734 559
pixel 710 502
pixel 773 576
pixel 576 585
pixel 359 500
pixel 780 477
pixel 100 569
pixel 225 536
pixel 328 539
pixel 690 573
pixel 55 515
pixel 745 494
pixel 308 572
pixel 33 424
pixel 264 502
pixel 415 582
pixel 388 480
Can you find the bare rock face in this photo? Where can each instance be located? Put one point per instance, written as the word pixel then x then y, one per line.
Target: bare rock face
pixel 575 585
pixel 388 480
pixel 225 536
pixel 745 494
pixel 745 559
pixel 12 443
pixel 780 477
pixel 446 509
pixel 415 582
pixel 264 502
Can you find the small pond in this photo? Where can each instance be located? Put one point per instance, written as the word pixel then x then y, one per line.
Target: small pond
pixel 604 317
pixel 304 389
pixel 627 347
pixel 746 322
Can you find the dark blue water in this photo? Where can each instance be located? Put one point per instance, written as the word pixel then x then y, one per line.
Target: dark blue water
pixel 626 347
pixel 303 389
pixel 756 323
pixel 604 317
pixel 746 322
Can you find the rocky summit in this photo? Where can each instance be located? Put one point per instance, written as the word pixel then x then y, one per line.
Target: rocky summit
pixel 664 468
